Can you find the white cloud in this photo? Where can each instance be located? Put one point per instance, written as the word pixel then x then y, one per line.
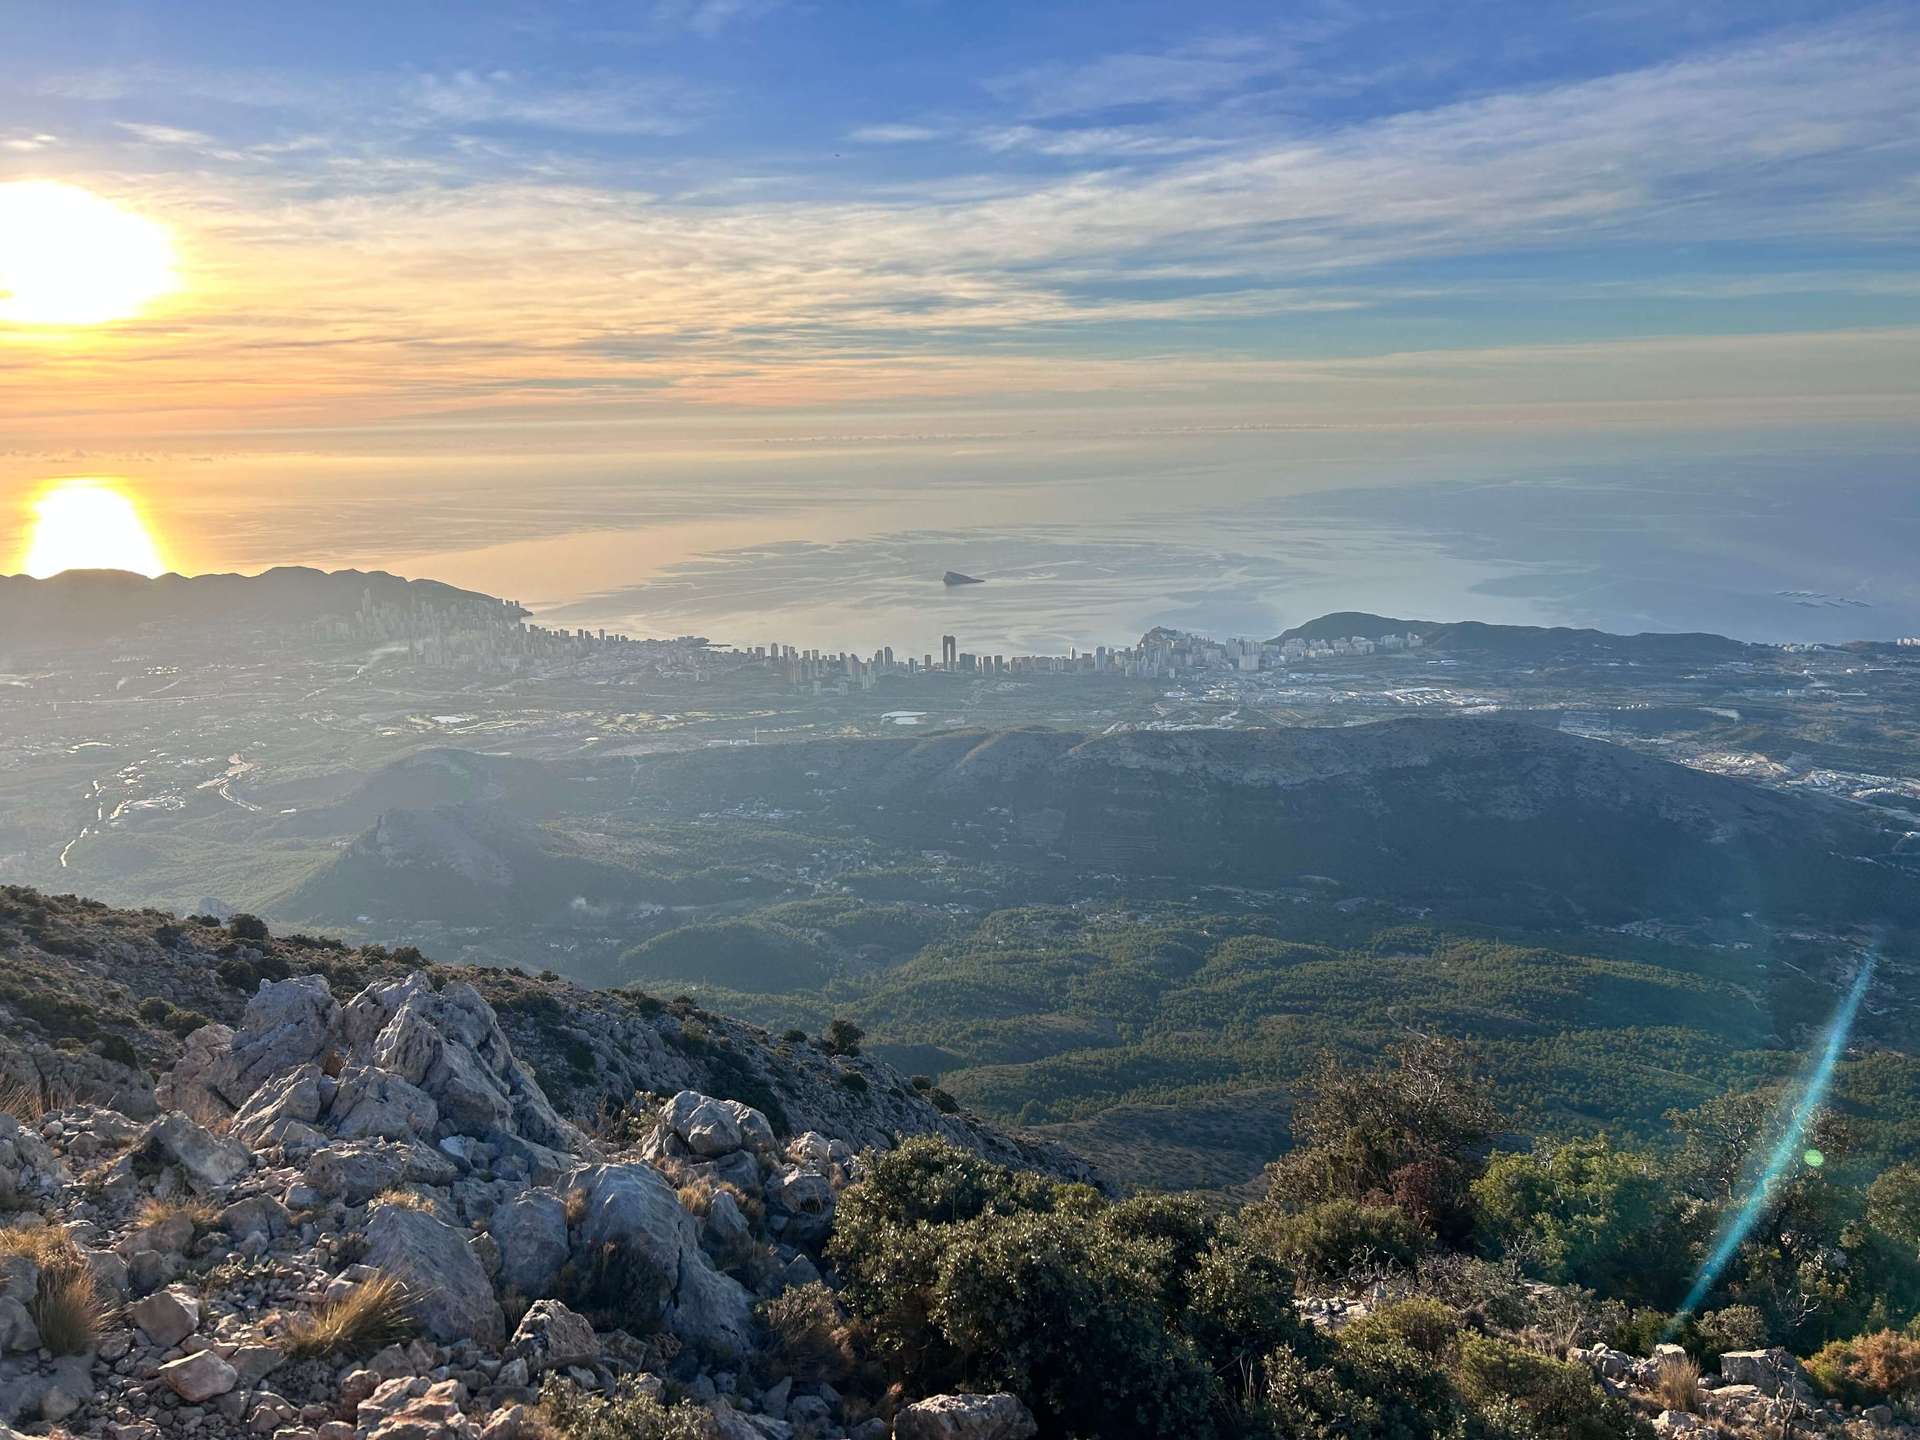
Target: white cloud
pixel 892 134
pixel 613 107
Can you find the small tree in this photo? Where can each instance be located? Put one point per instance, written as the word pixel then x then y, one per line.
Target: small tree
pixel 247 927
pixel 842 1037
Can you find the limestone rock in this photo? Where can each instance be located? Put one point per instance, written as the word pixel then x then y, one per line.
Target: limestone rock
pixel 966 1417
pixel 287 1023
pixel 357 1170
pixel 633 1207
pixel 1770 1371
pixel 552 1337
pixel 531 1231
pixel 373 1102
pixel 268 1115
pixel 166 1317
pixel 210 1162
pixel 452 1295
pixel 199 1377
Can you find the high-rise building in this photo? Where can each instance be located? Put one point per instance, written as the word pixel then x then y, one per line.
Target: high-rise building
pixel 949 652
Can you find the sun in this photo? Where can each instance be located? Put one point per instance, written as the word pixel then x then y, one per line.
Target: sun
pixel 68 257
pixel 89 525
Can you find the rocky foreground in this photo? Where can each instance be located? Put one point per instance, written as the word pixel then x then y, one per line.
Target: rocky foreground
pixel 367 1219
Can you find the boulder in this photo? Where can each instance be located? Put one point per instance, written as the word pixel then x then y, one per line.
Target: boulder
pixel 435 1415
pixel 166 1317
pixel 756 1132
pixel 210 1162
pixel 633 1209
pixel 357 1170
pixel 453 1297
pixel 552 1337
pixel 1770 1371
pixel 256 1215
pixel 531 1231
pixel 198 1377
pixel 966 1417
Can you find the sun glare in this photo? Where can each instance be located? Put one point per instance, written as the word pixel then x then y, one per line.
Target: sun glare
pixel 68 257
pixel 89 525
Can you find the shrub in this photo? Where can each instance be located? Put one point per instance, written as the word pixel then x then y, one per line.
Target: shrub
pixel 943 1102
pixel 1330 1240
pixel 1587 1214
pixel 1108 1319
pixel 375 1313
pixel 1893 1204
pixel 237 973
pixel 626 1414
pixel 1562 1400
pixel 247 927
pixel 1379 1390
pixel 811 1333
pixel 617 1287
pixel 842 1037
pixel 853 1080
pixel 1009 1290
pixel 154 1009
pixel 1414 1129
pixel 1737 1327
pixel 1420 1323
pixel 1869 1368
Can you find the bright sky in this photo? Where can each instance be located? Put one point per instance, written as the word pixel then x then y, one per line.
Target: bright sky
pixel 497 213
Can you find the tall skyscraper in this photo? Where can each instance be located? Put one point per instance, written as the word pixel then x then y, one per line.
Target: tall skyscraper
pixel 949 652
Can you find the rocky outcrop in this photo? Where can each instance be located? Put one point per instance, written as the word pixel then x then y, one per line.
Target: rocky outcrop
pixel 966 1417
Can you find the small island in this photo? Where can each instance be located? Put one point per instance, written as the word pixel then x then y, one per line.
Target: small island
pixel 954 577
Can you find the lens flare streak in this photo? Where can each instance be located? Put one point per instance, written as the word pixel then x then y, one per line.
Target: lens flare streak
pixel 1740 1224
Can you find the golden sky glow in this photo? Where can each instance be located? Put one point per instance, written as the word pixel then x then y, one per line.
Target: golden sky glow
pixel 89 525
pixel 68 257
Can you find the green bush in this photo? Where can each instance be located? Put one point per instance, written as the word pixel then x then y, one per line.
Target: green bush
pixel 1586 1214
pixel 1111 1320
pixel 1560 1399
pixel 247 927
pixel 626 1414
pixel 1735 1327
pixel 1420 1323
pixel 1329 1241
pixel 1373 1390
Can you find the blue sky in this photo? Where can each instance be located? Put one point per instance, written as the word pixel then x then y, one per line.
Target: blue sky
pixel 1349 213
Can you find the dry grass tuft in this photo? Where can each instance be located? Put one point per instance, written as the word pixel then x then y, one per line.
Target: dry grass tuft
pixel 375 1313
pixel 403 1199
pixel 1678 1384
pixel 22 1101
pixel 202 1214
pixel 67 1306
pixel 576 1203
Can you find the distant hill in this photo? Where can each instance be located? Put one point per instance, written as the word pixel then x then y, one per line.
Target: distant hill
pixel 1492 817
pixel 88 606
pixel 1527 643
